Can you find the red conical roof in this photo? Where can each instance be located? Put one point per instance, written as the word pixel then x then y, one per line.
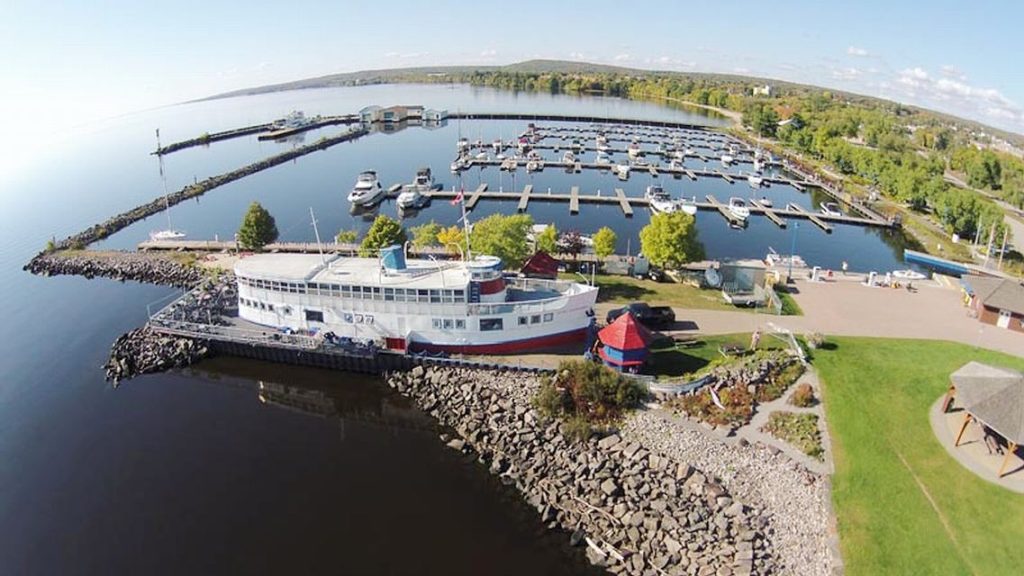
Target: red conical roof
pixel 625 333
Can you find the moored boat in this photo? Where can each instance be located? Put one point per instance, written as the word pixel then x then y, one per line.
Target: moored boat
pixel 776 260
pixel 738 208
pixel 830 209
pixel 754 181
pixel 367 189
pixel 908 274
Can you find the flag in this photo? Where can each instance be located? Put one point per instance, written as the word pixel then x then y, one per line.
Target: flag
pixel 458 197
pixel 716 399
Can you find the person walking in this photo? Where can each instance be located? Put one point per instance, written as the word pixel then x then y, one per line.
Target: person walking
pixel 845 267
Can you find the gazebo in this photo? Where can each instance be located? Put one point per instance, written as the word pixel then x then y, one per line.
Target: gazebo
pixel 992 397
pixel 624 343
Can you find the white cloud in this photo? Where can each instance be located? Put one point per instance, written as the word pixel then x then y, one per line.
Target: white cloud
pixel 622 58
pixel 414 54
pixel 847 74
pixel 577 56
pixel 391 55
pixel 855 51
pixel 488 53
pixel 951 93
pixel 741 70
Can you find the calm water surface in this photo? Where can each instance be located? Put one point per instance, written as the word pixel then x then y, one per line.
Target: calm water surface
pixel 199 472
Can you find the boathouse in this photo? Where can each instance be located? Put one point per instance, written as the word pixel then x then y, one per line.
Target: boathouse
pixel 995 301
pixel 370 114
pixel 434 115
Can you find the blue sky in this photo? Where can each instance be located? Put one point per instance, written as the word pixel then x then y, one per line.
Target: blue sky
pixel 80 61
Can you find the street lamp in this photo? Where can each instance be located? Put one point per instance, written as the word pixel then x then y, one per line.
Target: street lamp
pixel 792 253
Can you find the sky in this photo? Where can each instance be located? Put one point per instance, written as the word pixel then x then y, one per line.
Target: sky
pixel 65 64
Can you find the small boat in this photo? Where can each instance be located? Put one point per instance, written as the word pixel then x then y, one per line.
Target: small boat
pixel 534 165
pixel 412 198
pixel 424 180
pixel 765 201
pixel 659 200
pixel 169 234
pixel 738 208
pixel 568 157
pixel 908 274
pixel 602 144
pixel 602 159
pixel 758 166
pixel 776 260
pixel 367 189
pixel 633 150
pixel 497 145
pixel 458 165
pixel 641 162
pixel 754 181
pixel 688 206
pixel 830 209
pixel 622 170
pixel 481 156
pixel 462 144
pixel 727 159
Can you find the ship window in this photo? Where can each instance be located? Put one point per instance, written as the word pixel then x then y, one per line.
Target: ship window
pixel 447 323
pixel 376 292
pixel 399 294
pixel 367 292
pixel 436 323
pixel 263 306
pixel 490 324
pixel 549 317
pixel 435 296
pixel 460 324
pixel 522 320
pixel 535 319
pixel 314 316
pixel 270 307
pixel 344 291
pixel 389 294
pixel 424 295
pixel 460 295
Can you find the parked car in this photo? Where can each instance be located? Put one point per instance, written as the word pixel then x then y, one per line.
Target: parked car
pixel 650 316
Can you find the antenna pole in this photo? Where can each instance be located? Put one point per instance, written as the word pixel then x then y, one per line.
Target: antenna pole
pixel 316 231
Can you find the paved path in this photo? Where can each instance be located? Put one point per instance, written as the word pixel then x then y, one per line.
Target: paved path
pixel 847 308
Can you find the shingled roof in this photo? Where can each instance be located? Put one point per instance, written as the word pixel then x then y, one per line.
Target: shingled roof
pixel 998 293
pixel 993 395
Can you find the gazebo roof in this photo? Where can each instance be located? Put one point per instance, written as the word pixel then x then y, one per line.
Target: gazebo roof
pixel 625 333
pixel 993 395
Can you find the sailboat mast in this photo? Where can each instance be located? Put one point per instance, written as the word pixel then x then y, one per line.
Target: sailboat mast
pixel 316 231
pixel 163 180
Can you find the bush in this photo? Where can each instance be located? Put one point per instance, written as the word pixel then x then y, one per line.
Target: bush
pixel 550 401
pixel 799 430
pixel 815 340
pixel 779 380
pixel 803 396
pixel 587 391
pixel 577 428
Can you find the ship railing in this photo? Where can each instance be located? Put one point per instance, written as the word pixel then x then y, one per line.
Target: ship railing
pixel 230 334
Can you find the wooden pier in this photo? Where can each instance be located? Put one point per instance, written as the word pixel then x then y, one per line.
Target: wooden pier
pixel 574 200
pixel 724 211
pixel 524 199
pixel 475 197
pixel 627 208
pixel 769 213
pixel 321 123
pixel 811 216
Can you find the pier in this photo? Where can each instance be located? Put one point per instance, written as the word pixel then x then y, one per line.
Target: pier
pixel 769 213
pixel 627 208
pixel 810 216
pixel 475 197
pixel 574 200
pixel 724 211
pixel 317 123
pixel 524 199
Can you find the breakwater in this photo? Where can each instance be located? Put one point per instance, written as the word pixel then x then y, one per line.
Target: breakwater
pixel 163 269
pixel 634 510
pixel 208 138
pixel 143 351
pixel 116 223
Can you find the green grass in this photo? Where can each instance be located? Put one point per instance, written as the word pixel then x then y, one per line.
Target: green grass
pixel 877 394
pixel 670 361
pixel 623 290
pixel 789 305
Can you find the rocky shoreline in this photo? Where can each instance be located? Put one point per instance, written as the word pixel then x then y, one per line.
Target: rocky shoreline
pixel 140 267
pixel 143 351
pixel 634 509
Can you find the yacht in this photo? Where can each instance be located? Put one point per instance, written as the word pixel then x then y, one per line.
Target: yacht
pixel 830 209
pixel 412 198
pixel 367 189
pixel 622 170
pixel 727 159
pixel 688 206
pixel 738 208
pixel 659 200
pixel 602 144
pixel 633 150
pixel 568 158
pixel 458 165
pixel 424 181
pixel 766 202
pixel 755 181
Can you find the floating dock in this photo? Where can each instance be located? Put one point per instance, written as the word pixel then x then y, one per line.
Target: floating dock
pixel 475 196
pixel 574 200
pixel 627 208
pixel 810 216
pixel 769 212
pixel 724 211
pixel 524 199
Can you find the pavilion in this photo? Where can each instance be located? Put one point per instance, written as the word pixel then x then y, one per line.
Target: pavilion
pixel 992 397
pixel 624 343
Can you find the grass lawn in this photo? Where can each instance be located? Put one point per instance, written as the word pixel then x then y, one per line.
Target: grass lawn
pixel 623 290
pixel 675 361
pixel 877 394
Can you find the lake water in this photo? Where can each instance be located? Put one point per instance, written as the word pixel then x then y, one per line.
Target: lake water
pixel 192 472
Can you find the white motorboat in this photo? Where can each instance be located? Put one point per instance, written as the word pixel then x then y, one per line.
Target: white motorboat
pixel 497 145
pixel 908 274
pixel 534 165
pixel 688 206
pixel 602 159
pixel 481 156
pixel 754 181
pixel 659 200
pixel 568 158
pixel 738 208
pixel 766 202
pixel 640 162
pixel 602 144
pixel 633 150
pixel 758 166
pixel 458 165
pixel 776 260
pixel 830 209
pixel 462 144
pixel 367 189
pixel 424 180
pixel 727 159
pixel 412 198
pixel 622 170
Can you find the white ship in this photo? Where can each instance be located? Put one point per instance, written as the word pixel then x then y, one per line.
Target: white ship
pixel 367 189
pixel 461 307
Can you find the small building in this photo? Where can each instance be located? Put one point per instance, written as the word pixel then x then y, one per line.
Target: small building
pixel 624 343
pixel 765 90
pixel 743 282
pixel 370 114
pixel 992 397
pixel 995 301
pixel 434 115
pixel 401 113
pixel 540 265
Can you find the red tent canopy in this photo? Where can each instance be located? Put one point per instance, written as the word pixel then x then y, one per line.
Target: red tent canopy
pixel 625 333
pixel 540 265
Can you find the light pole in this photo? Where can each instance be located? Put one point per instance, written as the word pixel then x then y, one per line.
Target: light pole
pixel 792 253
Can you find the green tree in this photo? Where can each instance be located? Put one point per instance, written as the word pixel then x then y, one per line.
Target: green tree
pixel 670 240
pixel 258 228
pixel 604 242
pixel 547 241
pixel 347 237
pixel 425 235
pixel 503 236
pixel 453 239
pixel 383 232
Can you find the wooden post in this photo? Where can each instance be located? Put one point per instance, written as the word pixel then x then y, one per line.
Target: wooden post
pixel 1010 449
pixel 947 402
pixel 967 420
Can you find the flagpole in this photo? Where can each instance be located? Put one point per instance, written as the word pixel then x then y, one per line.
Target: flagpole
pixel 465 221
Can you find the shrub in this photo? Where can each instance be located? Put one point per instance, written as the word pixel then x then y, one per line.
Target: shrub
pixel 799 430
pixel 780 378
pixel 587 391
pixel 550 400
pixel 814 340
pixel 803 396
pixel 577 428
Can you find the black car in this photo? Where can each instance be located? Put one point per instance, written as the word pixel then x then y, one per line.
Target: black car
pixel 650 316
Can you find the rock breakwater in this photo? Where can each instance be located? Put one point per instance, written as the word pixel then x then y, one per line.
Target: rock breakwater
pixel 635 510
pixel 144 351
pixel 150 268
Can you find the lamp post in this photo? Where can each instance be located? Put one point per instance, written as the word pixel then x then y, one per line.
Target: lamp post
pixel 792 253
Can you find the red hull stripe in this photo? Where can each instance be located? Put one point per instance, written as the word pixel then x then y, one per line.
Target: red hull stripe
pixel 492 286
pixel 504 347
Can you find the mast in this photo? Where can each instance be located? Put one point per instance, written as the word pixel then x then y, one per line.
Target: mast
pixel 316 231
pixel 163 180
